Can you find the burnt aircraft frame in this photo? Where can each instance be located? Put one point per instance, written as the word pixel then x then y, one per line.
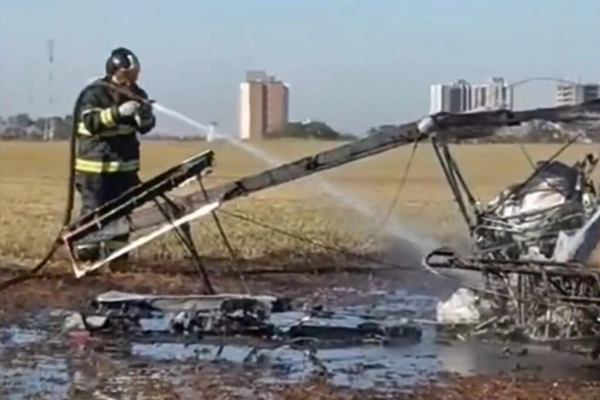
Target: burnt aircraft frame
pixel 111 219
pixel 545 300
pixel 477 217
pixel 577 291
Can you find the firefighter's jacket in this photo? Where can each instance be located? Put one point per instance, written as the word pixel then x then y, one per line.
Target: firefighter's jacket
pixel 106 145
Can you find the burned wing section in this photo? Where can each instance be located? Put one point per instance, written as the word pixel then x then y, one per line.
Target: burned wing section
pixel 112 219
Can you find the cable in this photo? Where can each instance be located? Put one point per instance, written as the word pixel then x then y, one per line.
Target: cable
pixel 184 235
pixel 399 190
pixel 225 240
pixel 57 242
pixel 71 178
pixel 305 239
pixel 527 155
pixel 533 166
pixel 376 260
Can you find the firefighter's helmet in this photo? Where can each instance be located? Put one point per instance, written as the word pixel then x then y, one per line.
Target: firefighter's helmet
pixel 123 64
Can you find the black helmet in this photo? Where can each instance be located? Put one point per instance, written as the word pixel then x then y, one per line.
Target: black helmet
pixel 122 59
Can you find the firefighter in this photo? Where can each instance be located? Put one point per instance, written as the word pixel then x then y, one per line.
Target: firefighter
pixel 112 111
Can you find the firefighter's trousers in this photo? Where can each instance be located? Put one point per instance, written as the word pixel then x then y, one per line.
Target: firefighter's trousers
pixel 96 190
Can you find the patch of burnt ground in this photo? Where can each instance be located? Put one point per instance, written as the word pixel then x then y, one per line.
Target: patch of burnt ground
pixel 279 275
pixel 282 273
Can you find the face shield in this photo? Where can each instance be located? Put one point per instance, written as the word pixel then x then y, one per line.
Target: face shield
pixel 128 71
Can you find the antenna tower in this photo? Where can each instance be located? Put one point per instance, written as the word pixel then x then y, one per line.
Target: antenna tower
pixel 50 122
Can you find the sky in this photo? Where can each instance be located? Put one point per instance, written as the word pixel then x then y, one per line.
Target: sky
pixel 351 63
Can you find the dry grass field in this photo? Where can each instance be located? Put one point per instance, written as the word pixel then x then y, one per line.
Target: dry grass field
pixel 33 193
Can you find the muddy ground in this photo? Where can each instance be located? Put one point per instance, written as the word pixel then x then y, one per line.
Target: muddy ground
pixel 38 360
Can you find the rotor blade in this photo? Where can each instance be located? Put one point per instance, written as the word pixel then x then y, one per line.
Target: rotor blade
pixel 137 196
pixel 406 134
pixel 457 126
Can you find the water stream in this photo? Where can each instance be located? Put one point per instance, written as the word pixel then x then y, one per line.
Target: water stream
pixel 420 242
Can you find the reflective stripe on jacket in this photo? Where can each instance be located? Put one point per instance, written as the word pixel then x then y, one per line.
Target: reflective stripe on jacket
pixel 105 144
pixel 99 167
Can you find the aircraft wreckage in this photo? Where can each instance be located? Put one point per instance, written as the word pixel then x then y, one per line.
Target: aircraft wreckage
pixel 532 243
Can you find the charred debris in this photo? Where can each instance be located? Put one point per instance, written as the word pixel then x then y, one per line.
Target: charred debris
pixel 531 245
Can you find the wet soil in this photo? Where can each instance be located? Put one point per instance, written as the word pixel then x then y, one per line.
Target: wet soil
pixel 283 273
pixel 36 359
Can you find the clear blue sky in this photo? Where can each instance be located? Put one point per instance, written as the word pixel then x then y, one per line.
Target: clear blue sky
pixel 352 63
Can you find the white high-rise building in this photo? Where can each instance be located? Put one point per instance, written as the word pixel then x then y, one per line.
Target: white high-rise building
pixel 245 110
pixel 464 97
pixel 452 98
pixel 264 106
pixel 568 94
pixel 496 94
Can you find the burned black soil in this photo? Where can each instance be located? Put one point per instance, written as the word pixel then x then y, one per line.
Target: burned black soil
pixel 39 359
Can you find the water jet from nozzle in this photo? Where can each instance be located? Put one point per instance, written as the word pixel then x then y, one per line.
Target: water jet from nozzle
pixel 423 244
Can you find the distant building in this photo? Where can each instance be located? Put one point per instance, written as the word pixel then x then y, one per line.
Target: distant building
pixel 49 128
pixel 453 98
pixel 496 94
pixel 252 113
pixel 464 97
pixel 264 105
pixel 568 94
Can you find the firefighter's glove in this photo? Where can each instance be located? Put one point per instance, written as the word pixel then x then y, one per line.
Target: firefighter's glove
pixel 128 109
pixel 144 116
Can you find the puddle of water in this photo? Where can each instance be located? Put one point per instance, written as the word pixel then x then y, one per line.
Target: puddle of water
pixel 34 360
pixel 34 374
pixel 28 366
pixel 361 367
pixel 402 362
pixel 355 366
pixel 15 336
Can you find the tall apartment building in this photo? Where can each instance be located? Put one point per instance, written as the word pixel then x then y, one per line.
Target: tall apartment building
pixel 452 98
pixel 464 97
pixel 493 95
pixel 264 105
pixel 568 94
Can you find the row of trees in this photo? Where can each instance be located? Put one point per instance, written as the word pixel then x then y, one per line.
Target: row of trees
pixel 23 127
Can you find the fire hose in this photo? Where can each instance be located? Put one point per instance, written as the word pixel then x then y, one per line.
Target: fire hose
pixel 443 126
pixel 68 211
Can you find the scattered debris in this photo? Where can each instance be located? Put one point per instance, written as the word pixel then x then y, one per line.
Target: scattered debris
pixel 465 306
pixel 195 317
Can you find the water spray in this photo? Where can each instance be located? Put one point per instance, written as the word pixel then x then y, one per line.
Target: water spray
pixel 57 242
pixel 435 126
pixel 420 242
